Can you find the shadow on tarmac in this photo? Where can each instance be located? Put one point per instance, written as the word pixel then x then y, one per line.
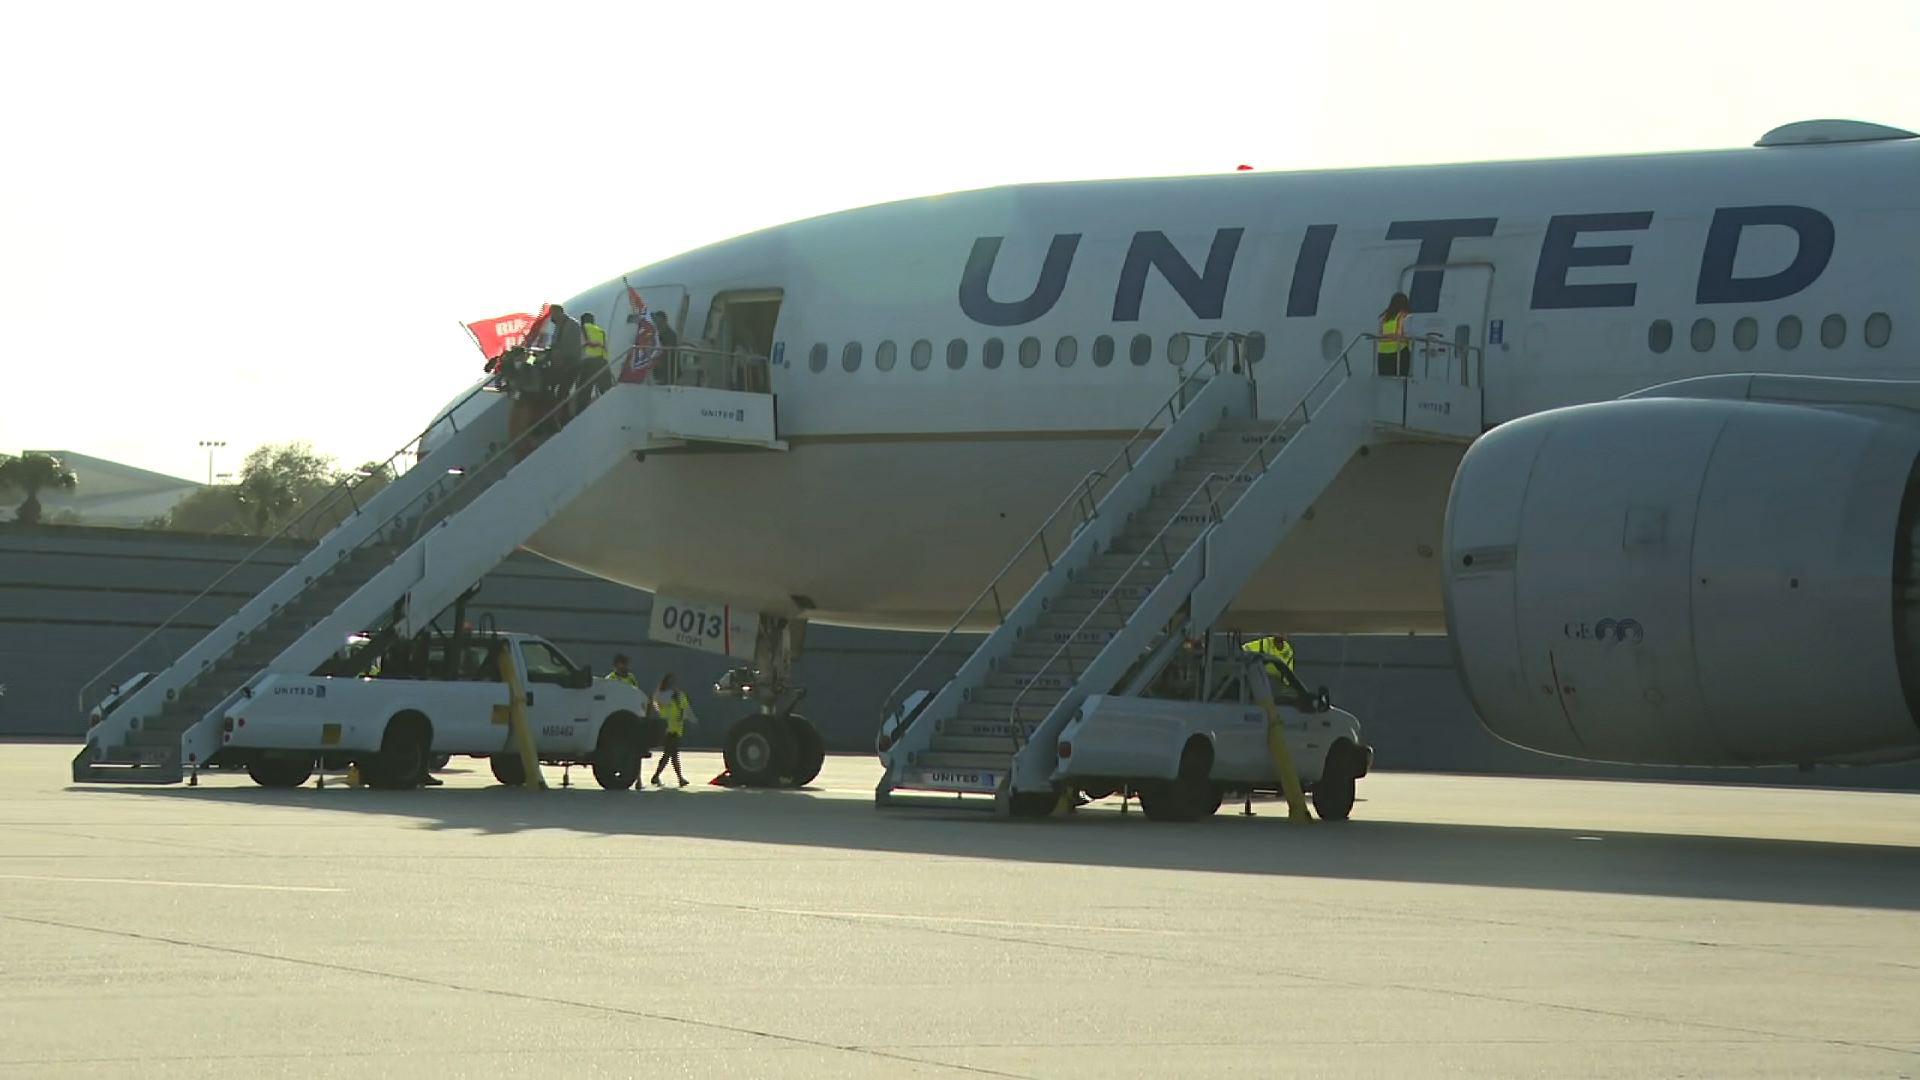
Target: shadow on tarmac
pixel 1641 864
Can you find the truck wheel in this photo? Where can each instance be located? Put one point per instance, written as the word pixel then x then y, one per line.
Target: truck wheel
pixel 1333 793
pixel 759 751
pixel 508 770
pixel 1210 805
pixel 1032 804
pixel 616 761
pixel 280 772
pixel 1160 801
pixel 403 755
pixel 809 751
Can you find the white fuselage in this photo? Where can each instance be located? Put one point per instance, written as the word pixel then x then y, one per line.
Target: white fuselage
pixel 907 488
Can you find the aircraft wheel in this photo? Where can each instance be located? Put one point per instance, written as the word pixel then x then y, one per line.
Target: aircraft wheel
pixel 810 751
pixel 759 751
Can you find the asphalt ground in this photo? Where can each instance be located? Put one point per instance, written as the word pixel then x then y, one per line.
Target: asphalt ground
pixel 1458 926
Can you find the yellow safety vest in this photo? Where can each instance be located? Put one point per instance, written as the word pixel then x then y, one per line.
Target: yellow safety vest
pixel 1281 652
pixel 674 712
pixel 629 678
pixel 1392 339
pixel 596 341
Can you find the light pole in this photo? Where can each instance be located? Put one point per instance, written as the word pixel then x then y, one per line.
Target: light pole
pixel 210 445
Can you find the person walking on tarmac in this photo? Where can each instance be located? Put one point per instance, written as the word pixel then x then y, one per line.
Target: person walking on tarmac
pixel 1395 354
pixel 622 672
pixel 676 710
pixel 595 373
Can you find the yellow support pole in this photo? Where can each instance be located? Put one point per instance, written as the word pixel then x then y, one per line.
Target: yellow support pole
pixel 517 722
pixel 1283 757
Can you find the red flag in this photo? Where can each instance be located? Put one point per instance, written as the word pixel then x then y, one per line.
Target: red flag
pixel 497 335
pixel 643 353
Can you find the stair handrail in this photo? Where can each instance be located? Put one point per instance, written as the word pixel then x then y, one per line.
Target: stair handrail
pixel 1174 404
pixel 343 486
pixel 1341 363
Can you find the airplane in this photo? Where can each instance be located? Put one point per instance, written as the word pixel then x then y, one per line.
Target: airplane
pixel 946 368
pixel 1652 463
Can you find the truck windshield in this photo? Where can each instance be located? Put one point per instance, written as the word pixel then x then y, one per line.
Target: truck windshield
pixel 545 664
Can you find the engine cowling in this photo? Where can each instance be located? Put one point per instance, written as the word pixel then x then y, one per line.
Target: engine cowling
pixel 1691 582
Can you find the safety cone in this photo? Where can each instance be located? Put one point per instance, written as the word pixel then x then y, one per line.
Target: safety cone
pixel 725 779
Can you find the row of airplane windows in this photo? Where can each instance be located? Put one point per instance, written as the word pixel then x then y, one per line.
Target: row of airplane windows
pixel 1786 334
pixel 1030 351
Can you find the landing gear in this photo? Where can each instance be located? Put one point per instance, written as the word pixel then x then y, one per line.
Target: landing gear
pixel 774 747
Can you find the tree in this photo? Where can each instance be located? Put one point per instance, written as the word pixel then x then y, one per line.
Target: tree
pixel 276 479
pixel 32 474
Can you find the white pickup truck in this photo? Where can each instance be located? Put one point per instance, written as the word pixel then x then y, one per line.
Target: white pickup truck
pixel 393 723
pixel 1182 755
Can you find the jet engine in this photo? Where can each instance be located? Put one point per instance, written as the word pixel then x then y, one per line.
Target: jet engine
pixel 1694 580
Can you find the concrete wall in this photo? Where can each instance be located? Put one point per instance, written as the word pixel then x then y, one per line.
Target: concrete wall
pixel 72 599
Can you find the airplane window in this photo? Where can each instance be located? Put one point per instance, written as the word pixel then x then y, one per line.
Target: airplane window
pixel 1788 333
pixel 1746 333
pixel 1879 329
pixel 1029 351
pixel 1067 351
pixel 850 356
pixel 1177 349
pixel 1833 331
pixel 883 356
pixel 817 359
pixel 1702 335
pixel 1102 351
pixel 1660 336
pixel 1256 347
pixel 921 355
pixel 1142 349
pixel 990 354
pixel 1331 343
pixel 957 353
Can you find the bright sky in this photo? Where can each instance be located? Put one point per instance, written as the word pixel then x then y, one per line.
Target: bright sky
pixel 265 222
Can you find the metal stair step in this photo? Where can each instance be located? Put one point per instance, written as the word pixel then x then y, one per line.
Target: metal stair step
pixel 996 695
pixel 1060 620
pixel 1001 745
pixel 980 710
pixel 946 778
pixel 998 728
pixel 1031 658
pixel 1008 680
pixel 960 759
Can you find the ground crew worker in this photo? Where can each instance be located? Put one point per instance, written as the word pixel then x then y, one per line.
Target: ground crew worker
pixel 597 373
pixel 676 710
pixel 622 673
pixel 1395 355
pixel 1277 651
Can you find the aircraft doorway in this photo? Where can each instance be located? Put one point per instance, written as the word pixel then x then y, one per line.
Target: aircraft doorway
pixel 1449 345
pixel 743 321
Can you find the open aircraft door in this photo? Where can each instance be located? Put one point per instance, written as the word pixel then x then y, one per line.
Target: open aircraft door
pixel 1446 390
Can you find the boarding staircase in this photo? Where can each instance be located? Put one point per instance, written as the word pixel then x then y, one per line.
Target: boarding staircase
pixel 1152 548
pixel 400 556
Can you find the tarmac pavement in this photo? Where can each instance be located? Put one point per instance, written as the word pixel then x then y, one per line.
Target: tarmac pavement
pixel 1458 926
